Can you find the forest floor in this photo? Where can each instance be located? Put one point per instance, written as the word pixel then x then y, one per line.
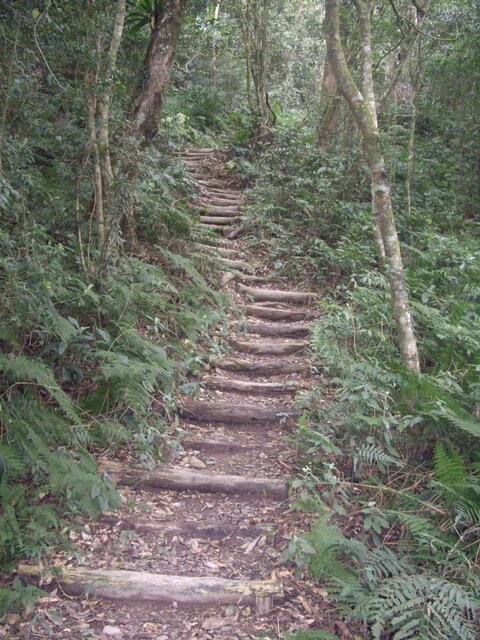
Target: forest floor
pixel 219 508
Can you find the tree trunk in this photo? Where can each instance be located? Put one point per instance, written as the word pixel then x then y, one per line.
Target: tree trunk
pixel 361 107
pixel 363 8
pixel 411 147
pixel 215 18
pixel 150 98
pixel 329 107
pixel 104 100
pixel 97 174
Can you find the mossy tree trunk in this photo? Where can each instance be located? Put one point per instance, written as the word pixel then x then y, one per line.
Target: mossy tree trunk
pixel 363 109
pixel 151 91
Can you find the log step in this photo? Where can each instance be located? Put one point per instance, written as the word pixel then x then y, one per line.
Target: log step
pixel 198 173
pixel 246 386
pixel 232 413
pixel 227 253
pixel 295 297
pixel 246 277
pixel 236 264
pixel 225 192
pixel 272 367
pixel 219 446
pixel 210 183
pixel 270 313
pixel 280 330
pixel 204 150
pixel 219 210
pixel 210 227
pixel 269 348
pixel 218 220
pixel 192 528
pixel 221 251
pixel 220 201
pixel 137 586
pixel 181 479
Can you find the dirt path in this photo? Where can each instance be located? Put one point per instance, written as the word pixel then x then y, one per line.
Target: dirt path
pixel 194 551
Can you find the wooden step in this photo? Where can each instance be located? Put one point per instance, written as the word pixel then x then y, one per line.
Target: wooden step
pixel 181 479
pixel 191 528
pixel 247 386
pixel 212 249
pixel 232 413
pixel 225 191
pixel 271 313
pixel 198 174
pixel 219 201
pixel 273 367
pixel 219 446
pixel 210 183
pixel 276 329
pixel 269 348
pixel 293 297
pixel 245 277
pixel 205 150
pixel 236 264
pixel 218 220
pixel 136 586
pixel 210 227
pixel 220 211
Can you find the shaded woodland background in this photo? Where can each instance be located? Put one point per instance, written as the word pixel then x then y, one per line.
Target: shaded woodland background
pixel 104 304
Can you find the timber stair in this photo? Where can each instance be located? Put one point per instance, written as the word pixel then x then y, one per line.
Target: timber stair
pixel 235 423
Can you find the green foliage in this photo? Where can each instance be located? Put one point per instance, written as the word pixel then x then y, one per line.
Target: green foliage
pixel 383 589
pixel 18 597
pixel 421 606
pixel 145 13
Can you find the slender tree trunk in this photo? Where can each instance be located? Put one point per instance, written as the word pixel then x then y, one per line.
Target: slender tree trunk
pixel 104 101
pixel 242 18
pixel 97 173
pixel 98 209
pixel 215 18
pixel 150 98
pixel 259 64
pixel 363 8
pixel 411 147
pixel 361 106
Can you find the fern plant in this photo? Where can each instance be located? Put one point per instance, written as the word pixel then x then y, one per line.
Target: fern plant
pixel 384 589
pixel 421 606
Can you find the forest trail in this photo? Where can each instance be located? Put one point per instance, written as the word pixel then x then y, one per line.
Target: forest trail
pixel 193 553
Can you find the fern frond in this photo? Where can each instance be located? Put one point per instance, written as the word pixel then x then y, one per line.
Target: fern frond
pixel 420 605
pixel 11 464
pixel 373 454
pixel 461 420
pixel 449 468
pixel 24 370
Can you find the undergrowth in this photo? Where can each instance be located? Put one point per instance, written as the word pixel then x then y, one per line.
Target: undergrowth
pixel 82 361
pixel 391 459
